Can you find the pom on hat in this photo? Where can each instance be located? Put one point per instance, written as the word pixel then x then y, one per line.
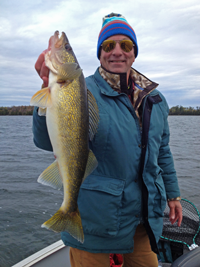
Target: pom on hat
pixel 114 24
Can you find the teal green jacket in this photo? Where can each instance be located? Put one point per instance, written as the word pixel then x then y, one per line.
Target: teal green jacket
pixel 135 173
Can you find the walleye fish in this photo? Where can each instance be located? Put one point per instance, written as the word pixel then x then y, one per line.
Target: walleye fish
pixel 72 119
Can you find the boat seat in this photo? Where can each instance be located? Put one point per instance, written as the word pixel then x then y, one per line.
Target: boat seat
pixel 190 259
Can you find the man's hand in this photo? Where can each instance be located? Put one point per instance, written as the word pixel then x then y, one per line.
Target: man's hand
pixel 175 213
pixel 41 68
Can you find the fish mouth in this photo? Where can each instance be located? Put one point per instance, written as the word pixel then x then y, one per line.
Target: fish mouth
pixel 60 50
pixel 59 42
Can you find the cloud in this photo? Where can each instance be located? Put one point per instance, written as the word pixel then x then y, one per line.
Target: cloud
pixel 167 33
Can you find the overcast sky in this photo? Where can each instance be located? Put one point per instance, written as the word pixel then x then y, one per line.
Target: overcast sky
pixel 168 34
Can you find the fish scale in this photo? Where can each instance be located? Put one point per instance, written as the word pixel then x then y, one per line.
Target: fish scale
pixel 72 119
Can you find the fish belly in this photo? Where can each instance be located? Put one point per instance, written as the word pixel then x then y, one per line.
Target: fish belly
pixel 67 123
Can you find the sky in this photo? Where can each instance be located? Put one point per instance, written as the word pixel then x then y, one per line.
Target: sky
pixel 167 31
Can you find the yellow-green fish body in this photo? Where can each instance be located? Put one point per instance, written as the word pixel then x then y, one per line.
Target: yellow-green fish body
pixel 67 117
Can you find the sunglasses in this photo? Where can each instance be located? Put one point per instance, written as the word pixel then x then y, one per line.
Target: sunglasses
pixel 109 45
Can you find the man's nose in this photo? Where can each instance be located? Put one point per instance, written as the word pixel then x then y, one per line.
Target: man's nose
pixel 117 50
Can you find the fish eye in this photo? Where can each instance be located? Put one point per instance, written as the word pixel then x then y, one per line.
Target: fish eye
pixel 67 46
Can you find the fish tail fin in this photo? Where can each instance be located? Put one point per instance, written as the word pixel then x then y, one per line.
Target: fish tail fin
pixel 68 222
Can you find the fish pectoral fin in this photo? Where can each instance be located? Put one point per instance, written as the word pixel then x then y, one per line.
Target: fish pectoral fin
pixel 93 115
pixel 42 98
pixel 42 111
pixel 68 71
pixel 92 163
pixel 66 222
pixel 51 176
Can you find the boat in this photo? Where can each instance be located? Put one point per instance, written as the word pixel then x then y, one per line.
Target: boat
pixel 57 254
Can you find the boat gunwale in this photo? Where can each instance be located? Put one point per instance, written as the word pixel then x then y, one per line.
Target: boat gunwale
pixel 40 255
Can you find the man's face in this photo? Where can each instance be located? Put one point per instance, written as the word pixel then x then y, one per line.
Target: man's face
pixel 117 60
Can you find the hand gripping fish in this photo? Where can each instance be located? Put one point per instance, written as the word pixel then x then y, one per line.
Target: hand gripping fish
pixel 72 119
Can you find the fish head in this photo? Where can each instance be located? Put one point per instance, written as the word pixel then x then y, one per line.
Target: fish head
pixel 60 50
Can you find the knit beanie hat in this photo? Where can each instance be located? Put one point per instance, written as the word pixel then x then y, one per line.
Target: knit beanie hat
pixel 114 24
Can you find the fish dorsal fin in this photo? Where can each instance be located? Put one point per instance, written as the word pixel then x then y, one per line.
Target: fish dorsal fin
pixel 93 115
pixel 92 163
pixel 42 98
pixel 51 176
pixel 68 71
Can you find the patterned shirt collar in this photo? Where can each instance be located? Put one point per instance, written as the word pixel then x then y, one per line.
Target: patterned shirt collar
pixel 118 82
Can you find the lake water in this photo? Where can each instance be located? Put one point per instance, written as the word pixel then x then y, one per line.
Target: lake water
pixel 25 204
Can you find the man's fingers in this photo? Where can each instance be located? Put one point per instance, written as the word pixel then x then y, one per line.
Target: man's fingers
pixel 44 72
pixel 45 81
pixel 175 214
pixel 172 214
pixel 41 68
pixel 39 63
pixel 180 216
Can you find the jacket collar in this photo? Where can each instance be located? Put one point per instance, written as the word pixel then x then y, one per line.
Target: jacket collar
pixel 117 81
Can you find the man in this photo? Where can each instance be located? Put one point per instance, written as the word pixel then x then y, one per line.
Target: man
pixel 122 201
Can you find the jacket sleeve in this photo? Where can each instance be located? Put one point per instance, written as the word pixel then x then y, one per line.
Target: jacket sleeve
pixel 40 133
pixel 166 162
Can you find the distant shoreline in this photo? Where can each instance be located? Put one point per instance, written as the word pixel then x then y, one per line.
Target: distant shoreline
pixel 28 111
pixel 16 110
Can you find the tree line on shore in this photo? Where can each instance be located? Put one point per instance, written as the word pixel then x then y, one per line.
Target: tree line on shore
pixel 180 110
pixel 17 110
pixel 28 110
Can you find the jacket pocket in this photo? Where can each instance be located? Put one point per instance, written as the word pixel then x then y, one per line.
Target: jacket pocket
pixel 160 196
pixel 99 204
